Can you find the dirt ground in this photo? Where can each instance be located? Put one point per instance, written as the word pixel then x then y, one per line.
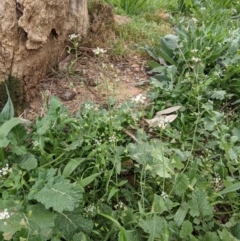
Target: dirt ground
pixel 94 78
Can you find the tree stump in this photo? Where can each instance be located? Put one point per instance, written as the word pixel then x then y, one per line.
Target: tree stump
pixel 33 34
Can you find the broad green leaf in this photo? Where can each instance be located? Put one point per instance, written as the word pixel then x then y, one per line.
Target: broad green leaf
pixel 154 226
pixel 211 236
pixel 56 192
pixel 186 229
pixel 13 224
pixel 235 231
pixel 218 94
pixel 8 125
pixel 231 188
pixel 71 166
pixel 182 183
pixel 71 223
pixel 181 214
pixel 40 220
pixel 81 237
pixel 199 206
pixel 86 181
pixel 28 162
pixel 8 110
pixel 226 236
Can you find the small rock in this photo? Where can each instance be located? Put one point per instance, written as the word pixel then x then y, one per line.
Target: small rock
pixel 67 95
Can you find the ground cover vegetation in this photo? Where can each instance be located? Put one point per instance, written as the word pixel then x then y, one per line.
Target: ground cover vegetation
pixel 165 170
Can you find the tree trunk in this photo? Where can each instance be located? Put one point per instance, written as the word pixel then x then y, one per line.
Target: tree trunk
pixel 33 34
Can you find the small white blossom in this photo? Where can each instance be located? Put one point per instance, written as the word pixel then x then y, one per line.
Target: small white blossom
pixel 73 36
pixel 196 60
pixel 164 195
pixel 194 50
pixel 5 214
pixel 88 106
pixel 207 48
pixel 5 170
pixel 202 9
pixel 112 138
pixel 139 99
pixel 98 51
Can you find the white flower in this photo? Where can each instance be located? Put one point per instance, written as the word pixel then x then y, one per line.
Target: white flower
pixel 164 195
pixel 139 99
pixel 112 138
pixel 194 50
pixel 207 48
pixel 196 60
pixel 88 106
pixel 202 9
pixel 5 214
pixel 5 170
pixel 98 51
pixel 73 36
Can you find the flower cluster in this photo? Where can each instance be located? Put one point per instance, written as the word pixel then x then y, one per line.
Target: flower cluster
pixel 196 60
pixel 4 214
pixel 5 170
pixel 74 36
pixel 139 99
pixel 98 51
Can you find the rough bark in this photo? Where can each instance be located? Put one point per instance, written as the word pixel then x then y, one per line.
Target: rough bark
pixel 33 34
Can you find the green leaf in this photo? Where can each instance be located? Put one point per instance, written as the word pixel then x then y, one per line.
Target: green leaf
pixel 8 126
pixel 182 183
pixel 73 146
pixel 199 206
pixel 13 224
pixel 218 94
pixel 8 110
pixel 71 223
pixel 112 193
pixel 71 166
pixel 86 181
pixel 154 226
pixel 81 237
pixel 231 188
pixel 56 192
pixel 28 162
pixel 40 220
pixel 226 236
pixel 181 214
pixel 186 229
pixel 211 236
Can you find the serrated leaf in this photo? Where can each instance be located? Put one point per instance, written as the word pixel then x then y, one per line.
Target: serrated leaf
pixel 28 162
pixel 70 223
pixel 218 94
pixel 60 196
pixel 154 226
pixel 181 184
pixel 56 192
pixel 186 229
pixel 199 206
